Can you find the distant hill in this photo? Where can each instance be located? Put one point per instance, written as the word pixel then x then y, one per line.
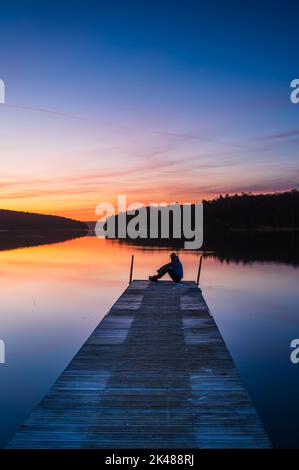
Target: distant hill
pixel 15 220
pixel 25 229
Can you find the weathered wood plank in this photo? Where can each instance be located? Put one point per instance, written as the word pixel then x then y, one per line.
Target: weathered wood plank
pixel 154 373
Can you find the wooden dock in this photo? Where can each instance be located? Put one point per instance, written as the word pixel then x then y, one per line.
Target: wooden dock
pixel 154 373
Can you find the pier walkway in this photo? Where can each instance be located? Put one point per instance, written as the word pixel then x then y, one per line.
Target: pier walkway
pixel 154 373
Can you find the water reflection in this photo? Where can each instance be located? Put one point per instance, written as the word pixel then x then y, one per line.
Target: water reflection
pixel 281 246
pixel 53 296
pixel 12 239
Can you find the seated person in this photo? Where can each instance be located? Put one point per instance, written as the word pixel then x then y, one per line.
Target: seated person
pixel 174 269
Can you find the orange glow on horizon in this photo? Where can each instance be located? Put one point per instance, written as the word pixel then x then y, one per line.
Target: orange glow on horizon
pixel 87 213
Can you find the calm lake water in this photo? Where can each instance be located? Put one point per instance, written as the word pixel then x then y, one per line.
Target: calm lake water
pixel 53 296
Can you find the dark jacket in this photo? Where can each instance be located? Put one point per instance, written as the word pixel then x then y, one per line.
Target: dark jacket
pixel 177 267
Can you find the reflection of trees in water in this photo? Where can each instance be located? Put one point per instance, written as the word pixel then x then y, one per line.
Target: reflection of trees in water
pixel 240 246
pixel 246 247
pixel 10 239
pixel 234 246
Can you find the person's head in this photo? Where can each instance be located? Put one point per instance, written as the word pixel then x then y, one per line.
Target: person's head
pixel 173 256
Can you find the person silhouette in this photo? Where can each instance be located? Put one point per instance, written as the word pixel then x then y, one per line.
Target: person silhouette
pixel 174 269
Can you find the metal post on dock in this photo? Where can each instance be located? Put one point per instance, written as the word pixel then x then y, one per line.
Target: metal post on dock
pixel 131 270
pixel 199 270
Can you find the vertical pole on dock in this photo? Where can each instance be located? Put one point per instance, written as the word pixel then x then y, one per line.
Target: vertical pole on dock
pixel 199 270
pixel 131 270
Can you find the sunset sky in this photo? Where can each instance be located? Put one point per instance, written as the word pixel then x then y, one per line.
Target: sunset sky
pixel 160 100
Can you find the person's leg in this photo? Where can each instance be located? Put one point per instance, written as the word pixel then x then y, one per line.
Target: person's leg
pixel 166 268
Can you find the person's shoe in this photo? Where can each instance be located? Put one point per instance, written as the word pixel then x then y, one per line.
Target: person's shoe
pixel 153 278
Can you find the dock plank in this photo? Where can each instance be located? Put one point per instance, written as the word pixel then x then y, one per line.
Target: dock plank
pixel 154 373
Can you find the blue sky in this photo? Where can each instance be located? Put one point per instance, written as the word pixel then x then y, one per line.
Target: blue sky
pixel 182 100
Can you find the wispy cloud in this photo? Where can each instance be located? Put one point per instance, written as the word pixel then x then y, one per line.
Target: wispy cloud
pixel 279 135
pixel 172 134
pixel 180 167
